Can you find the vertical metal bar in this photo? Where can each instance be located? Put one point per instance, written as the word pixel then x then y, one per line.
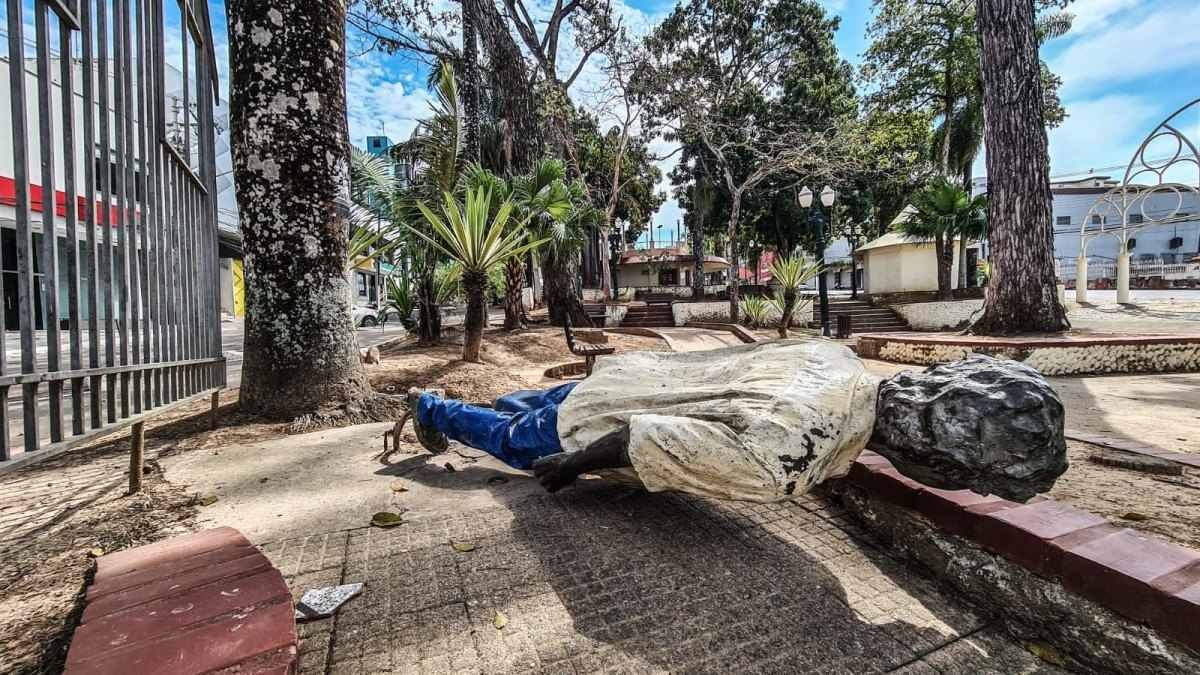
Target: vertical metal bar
pixel 67 78
pixel 146 220
pixel 156 61
pixel 134 197
pixel 106 251
pixel 89 213
pixel 49 261
pixel 25 280
pixel 124 95
pixel 172 251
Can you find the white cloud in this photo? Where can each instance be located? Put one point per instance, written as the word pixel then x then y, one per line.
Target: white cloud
pixel 380 100
pixel 1138 45
pixel 1102 132
pixel 1093 14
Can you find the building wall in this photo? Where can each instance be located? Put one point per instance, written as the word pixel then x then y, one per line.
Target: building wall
pixel 907 267
pixel 1071 209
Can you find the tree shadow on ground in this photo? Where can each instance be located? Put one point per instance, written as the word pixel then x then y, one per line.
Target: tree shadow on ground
pixel 678 583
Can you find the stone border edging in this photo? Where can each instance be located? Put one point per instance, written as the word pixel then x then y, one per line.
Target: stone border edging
pixel 1185 458
pixel 1142 578
pixel 1083 355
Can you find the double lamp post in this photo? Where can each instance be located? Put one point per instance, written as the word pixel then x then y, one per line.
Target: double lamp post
pixel 817 220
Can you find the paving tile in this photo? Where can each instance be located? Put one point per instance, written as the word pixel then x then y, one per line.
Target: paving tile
pixel 601 581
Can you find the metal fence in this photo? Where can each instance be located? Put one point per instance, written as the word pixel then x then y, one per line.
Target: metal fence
pixel 113 198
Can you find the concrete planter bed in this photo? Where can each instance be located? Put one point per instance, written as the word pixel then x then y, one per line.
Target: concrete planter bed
pixel 1059 355
pixel 1074 588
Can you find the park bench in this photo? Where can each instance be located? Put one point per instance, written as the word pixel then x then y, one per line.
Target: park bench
pixel 589 352
pixel 204 602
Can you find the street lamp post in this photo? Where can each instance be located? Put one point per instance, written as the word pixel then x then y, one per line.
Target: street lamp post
pixel 806 200
pixel 614 245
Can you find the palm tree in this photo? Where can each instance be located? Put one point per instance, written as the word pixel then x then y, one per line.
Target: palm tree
pixel 791 273
pixel 559 213
pixel 435 150
pixel 944 211
pixel 478 242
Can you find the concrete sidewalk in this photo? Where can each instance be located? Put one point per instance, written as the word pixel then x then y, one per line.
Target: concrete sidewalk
pixel 596 578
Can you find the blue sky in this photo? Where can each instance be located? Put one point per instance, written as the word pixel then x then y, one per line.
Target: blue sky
pixel 1126 65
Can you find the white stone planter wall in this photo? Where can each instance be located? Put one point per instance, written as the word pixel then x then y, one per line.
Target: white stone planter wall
pixel 614 314
pixel 1061 360
pixel 716 312
pixel 944 315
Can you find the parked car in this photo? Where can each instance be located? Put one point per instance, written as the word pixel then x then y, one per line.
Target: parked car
pixel 365 316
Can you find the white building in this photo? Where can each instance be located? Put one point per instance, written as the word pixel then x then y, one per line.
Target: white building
pixel 1075 211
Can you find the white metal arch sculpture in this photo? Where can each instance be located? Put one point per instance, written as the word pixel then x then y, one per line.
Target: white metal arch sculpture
pixel 1146 180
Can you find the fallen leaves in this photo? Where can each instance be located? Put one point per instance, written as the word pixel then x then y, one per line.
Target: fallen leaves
pixel 499 620
pixel 208 500
pixel 96 552
pixel 462 546
pixel 386 519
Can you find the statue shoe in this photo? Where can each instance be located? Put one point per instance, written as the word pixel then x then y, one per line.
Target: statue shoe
pixel 431 439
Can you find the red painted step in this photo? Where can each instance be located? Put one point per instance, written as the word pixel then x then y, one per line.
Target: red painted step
pixel 204 602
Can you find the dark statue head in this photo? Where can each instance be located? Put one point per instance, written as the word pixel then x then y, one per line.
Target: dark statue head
pixel 988 425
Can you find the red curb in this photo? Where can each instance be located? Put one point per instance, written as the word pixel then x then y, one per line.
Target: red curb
pixel 1118 571
pixel 1138 576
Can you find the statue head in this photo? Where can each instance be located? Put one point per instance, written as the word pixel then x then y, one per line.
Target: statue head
pixel 988 425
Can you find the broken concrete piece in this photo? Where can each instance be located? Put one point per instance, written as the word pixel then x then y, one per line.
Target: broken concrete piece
pixel 319 603
pixel 984 424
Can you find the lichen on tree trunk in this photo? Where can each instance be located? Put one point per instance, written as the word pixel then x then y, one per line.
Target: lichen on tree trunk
pixel 1021 294
pixel 291 169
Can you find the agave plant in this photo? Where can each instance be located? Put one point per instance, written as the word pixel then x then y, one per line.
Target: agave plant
pixel 401 299
pixel 478 242
pixel 791 273
pixel 754 311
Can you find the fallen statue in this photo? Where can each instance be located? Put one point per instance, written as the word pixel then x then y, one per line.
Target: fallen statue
pixel 767 421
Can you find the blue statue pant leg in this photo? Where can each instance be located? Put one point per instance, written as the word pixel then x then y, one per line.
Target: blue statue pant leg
pixel 517 439
pixel 526 400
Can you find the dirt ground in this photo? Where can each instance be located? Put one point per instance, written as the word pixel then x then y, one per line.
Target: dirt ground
pixel 511 361
pixel 1167 506
pixel 55 516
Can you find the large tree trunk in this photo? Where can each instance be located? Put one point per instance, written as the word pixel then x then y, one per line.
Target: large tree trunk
pixel 429 315
pixel 734 210
pixel 789 307
pixel 517 105
pixel 514 281
pixel 469 80
pixel 962 262
pixel 606 287
pixel 698 260
pixel 291 170
pixel 944 250
pixel 474 287
pixel 1021 294
pixel 558 280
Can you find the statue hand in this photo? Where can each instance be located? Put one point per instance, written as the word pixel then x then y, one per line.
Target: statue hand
pixel 555 472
